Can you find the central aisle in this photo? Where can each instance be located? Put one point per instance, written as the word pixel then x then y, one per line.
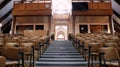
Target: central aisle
pixel 61 54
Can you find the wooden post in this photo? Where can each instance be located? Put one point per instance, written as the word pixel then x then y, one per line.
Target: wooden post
pixel 49 24
pixel 74 17
pixel 110 24
pixel 13 25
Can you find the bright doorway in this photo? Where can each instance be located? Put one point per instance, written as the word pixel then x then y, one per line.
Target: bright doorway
pixel 61 32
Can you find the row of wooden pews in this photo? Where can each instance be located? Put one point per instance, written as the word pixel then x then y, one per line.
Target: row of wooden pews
pixel 18 50
pixel 101 49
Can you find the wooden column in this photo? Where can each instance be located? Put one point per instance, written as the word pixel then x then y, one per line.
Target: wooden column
pixel 74 17
pixel 13 25
pixel 110 24
pixel 49 24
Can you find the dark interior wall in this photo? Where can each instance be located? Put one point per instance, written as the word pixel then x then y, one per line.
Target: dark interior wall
pixel 80 5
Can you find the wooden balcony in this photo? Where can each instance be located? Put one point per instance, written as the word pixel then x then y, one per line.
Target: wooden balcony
pixel 95 8
pixel 44 9
pixel 32 9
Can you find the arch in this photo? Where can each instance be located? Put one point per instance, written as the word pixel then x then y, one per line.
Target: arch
pixel 60 35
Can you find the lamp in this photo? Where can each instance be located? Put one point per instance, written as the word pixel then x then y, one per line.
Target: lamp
pixel 82 28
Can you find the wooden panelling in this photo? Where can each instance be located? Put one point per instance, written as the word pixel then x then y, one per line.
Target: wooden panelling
pixel 31 20
pixel 31 13
pixel 93 13
pixel 93 5
pixel 32 6
pixel 96 8
pixel 19 7
pixel 105 6
pixel 44 9
pixel 35 32
pixel 99 6
pixel 32 9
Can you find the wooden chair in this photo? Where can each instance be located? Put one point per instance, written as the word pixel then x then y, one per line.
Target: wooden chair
pixel 111 44
pixel 28 51
pixel 2 61
pixel 13 56
pixel 94 53
pixel 111 56
pixel 1 51
pixel 11 44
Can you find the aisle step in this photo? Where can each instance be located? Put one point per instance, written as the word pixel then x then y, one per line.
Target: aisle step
pixel 61 54
pixel 61 63
pixel 61 59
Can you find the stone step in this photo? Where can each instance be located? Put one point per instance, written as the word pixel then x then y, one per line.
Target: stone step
pixel 61 59
pixel 61 50
pixel 60 63
pixel 61 56
pixel 61 53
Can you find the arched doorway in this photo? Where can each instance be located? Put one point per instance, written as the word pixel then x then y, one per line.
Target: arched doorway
pixel 60 35
pixel 61 32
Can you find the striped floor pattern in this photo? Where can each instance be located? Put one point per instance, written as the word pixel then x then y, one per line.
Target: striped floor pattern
pixel 61 54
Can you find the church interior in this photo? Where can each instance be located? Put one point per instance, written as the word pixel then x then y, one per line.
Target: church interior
pixel 59 33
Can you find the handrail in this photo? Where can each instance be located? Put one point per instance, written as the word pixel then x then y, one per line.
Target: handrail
pixel 117 14
pixel 5 10
pixel 6 15
pixel 3 4
pixel 115 6
pixel 118 1
pixel 117 26
pixel 6 26
pixel 6 20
